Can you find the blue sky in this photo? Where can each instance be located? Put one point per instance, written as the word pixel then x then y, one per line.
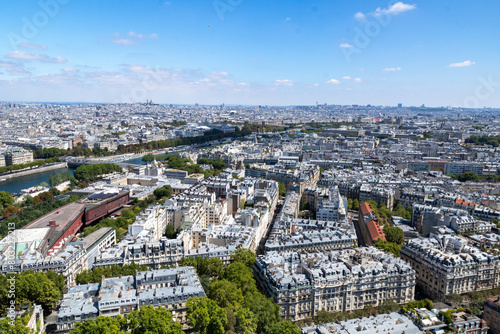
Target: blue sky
pixel 252 52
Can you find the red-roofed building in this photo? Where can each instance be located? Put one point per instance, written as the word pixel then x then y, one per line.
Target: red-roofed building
pixel 365 208
pixel 368 225
pixel 375 231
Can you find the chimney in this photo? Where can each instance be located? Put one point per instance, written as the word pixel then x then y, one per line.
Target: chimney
pixel 52 223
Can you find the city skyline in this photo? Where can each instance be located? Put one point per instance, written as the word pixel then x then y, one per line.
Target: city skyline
pixel 251 53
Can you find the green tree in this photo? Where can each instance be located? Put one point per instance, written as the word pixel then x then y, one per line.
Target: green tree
pixel 282 189
pixel 205 316
pixel 171 233
pixel 28 200
pixel 148 320
pixel 148 157
pixel 245 256
pixel 284 327
pixel 389 306
pixel 37 288
pixel 394 234
pixel 163 192
pixel 468 176
pixel 246 322
pixel 265 309
pixel 241 275
pixel 19 326
pixel 349 204
pixel 388 247
pixel 6 199
pixel 101 325
pixel 355 204
pixel 225 294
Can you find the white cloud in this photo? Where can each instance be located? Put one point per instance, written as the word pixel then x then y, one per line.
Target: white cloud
pixel 356 80
pixel 21 55
pixel 32 46
pixel 288 18
pixel 462 64
pixel 56 60
pixel 125 41
pixel 333 82
pixel 69 69
pixel 346 45
pixel 134 38
pixel 12 68
pixel 360 16
pixel 392 69
pixel 283 83
pixel 316 85
pixel 395 9
pixel 218 75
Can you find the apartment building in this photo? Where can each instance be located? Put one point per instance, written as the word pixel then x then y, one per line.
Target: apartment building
pixel 344 280
pixel 18 157
pixel 492 314
pixel 169 288
pixel 447 264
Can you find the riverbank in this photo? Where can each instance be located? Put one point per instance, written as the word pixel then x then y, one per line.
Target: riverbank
pixel 46 168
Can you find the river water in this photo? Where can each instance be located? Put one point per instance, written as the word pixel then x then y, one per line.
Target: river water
pixel 15 185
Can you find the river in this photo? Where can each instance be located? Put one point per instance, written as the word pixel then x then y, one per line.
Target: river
pixel 15 185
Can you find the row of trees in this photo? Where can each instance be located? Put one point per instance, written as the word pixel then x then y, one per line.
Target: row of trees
pixel 388 306
pixel 234 304
pixel 9 208
pixel 174 161
pixel 45 289
pixel 483 140
pixel 217 164
pixel 11 168
pixel 51 152
pixel 208 136
pixel 383 213
pixel 95 275
pixel 55 179
pixel 471 176
pixel 90 172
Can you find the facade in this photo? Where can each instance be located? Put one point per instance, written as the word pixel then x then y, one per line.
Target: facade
pixel 333 208
pixel 446 264
pixel 425 217
pixel 492 314
pixel 18 157
pixel 169 288
pixel 344 280
pixel 311 235
pixel 468 324
pixel 380 195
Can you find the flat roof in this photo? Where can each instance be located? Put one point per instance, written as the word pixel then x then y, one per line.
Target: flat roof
pixel 63 217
